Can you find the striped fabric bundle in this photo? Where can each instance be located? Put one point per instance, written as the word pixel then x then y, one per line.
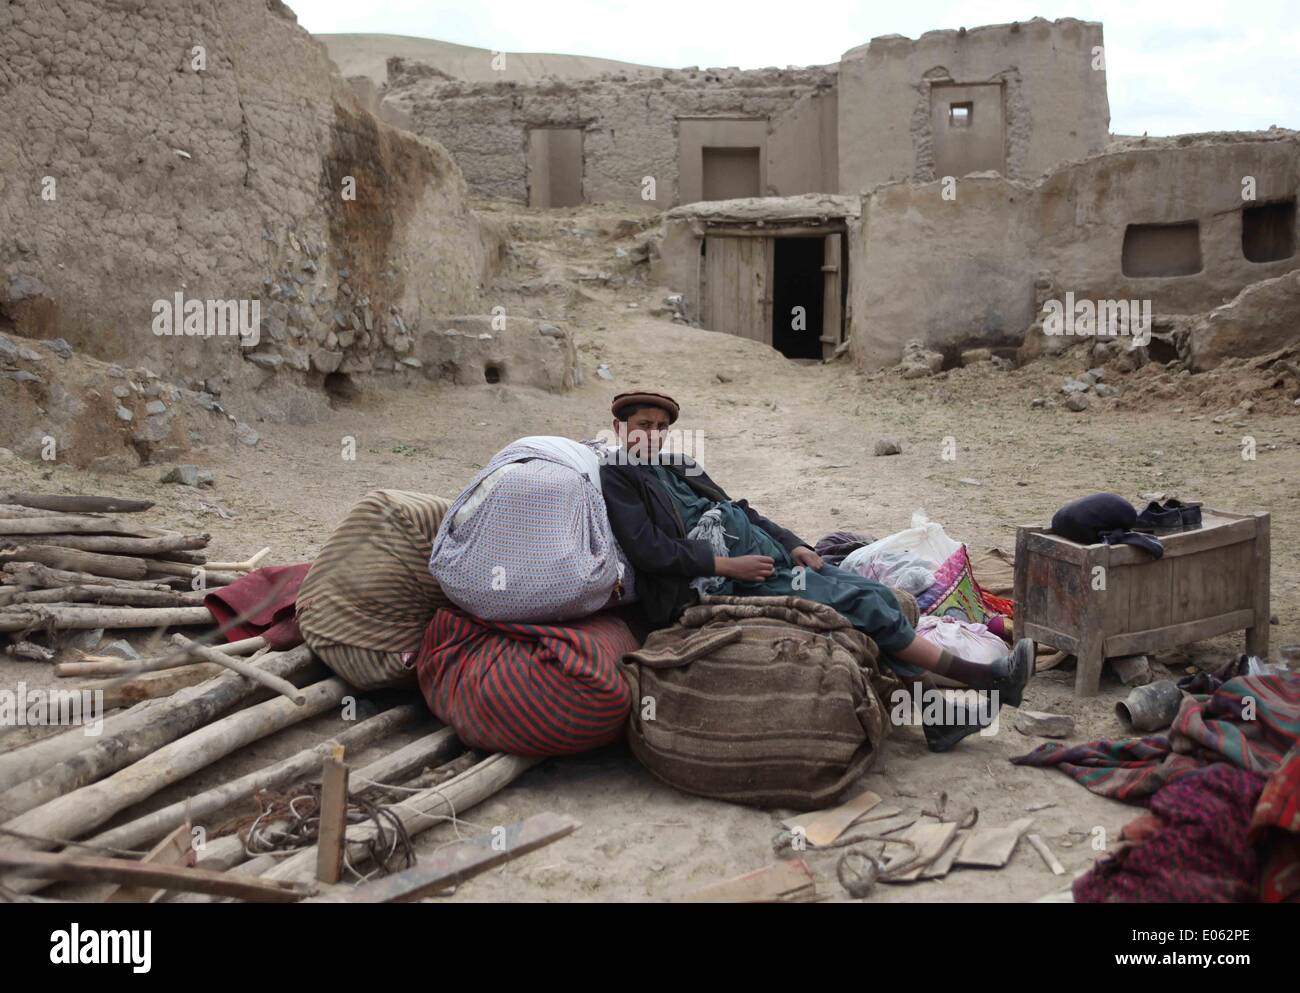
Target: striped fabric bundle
pixel 527 689
pixel 770 701
pixel 368 598
pixel 539 547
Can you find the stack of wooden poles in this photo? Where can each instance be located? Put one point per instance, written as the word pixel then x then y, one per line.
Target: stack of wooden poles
pixel 69 564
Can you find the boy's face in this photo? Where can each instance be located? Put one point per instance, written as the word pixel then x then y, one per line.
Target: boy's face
pixel 642 433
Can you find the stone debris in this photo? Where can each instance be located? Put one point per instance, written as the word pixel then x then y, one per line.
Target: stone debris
pixel 888 446
pixel 188 475
pixel 1044 725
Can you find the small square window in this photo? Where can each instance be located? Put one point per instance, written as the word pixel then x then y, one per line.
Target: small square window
pixel 960 114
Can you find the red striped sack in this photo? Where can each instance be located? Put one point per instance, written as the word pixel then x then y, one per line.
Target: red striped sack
pixel 527 689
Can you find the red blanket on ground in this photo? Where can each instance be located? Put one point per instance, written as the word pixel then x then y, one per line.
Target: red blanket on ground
pixel 267 596
pixel 527 689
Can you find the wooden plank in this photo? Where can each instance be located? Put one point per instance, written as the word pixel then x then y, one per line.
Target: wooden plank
pixel 43 865
pixel 821 827
pixel 1040 846
pixel 77 504
pixel 992 847
pixel 176 849
pixel 333 817
pixel 1156 639
pixel 1188 542
pixel 832 318
pixel 1056 547
pixel 790 881
pixel 453 865
pixel 1257 634
pixel 776 231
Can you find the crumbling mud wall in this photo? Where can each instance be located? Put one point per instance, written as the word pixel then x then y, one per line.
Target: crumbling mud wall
pixel 1179 225
pixel 630 125
pixel 1043 79
pixel 161 153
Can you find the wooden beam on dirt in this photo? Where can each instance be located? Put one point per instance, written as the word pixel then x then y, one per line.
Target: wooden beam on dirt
pixel 77 504
pixel 333 817
pixel 89 618
pixel 73 524
pixel 125 692
pixel 246 669
pixel 71 814
pixel 211 577
pixel 145 829
pixel 140 874
pixel 421 811
pixel 432 749
pixel 456 863
pixel 176 849
pixel 108 596
pixel 35 574
pixel 248 565
pixel 116 544
pixel 74 560
pixel 152 727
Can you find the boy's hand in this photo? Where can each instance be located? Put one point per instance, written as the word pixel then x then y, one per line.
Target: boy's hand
pixel 805 556
pixel 746 568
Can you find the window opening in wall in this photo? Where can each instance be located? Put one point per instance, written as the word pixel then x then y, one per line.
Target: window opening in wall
pixel 959 114
pixel 1162 249
pixel 1268 231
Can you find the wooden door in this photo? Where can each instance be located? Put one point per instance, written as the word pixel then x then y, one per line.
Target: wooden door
pixel 737 280
pixel 832 318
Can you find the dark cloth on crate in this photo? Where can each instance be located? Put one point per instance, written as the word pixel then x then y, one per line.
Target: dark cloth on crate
pixel 527 689
pixel 651 533
pixel 768 701
pixel 1215 728
pixel 1191 848
pixel 368 597
pixel 836 546
pixel 268 596
pixel 1103 517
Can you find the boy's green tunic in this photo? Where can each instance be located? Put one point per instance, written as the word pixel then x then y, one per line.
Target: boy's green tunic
pixel 871 607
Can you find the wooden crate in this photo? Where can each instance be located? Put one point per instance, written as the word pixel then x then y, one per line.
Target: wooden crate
pixel 1106 601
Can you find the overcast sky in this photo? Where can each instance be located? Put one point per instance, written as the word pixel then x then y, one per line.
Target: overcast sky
pixel 1173 67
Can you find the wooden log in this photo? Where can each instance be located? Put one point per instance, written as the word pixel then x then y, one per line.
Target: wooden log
pixel 64 814
pixel 29 651
pixel 12 511
pixel 248 565
pixel 110 596
pixel 168 546
pixel 141 874
pixel 77 504
pixel 211 577
pixel 72 524
pixel 29 760
pixel 152 728
pixel 35 574
pixel 333 817
pixel 249 671
pixel 420 811
pixel 176 849
pixel 122 692
pixel 89 618
pixel 432 749
pixel 103 665
pixel 456 863
pixel 145 829
pixel 75 560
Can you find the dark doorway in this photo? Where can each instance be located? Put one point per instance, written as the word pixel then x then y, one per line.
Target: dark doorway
pixel 797 297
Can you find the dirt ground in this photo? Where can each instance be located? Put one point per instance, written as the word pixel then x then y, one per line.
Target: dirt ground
pixel 796 440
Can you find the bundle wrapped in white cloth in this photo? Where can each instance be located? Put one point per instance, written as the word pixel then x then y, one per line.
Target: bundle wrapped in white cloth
pixel 529 539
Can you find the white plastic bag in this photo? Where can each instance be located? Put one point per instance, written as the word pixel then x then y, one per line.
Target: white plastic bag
pixel 906 560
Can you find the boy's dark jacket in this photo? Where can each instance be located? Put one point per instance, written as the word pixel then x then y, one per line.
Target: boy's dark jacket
pixel 651 533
